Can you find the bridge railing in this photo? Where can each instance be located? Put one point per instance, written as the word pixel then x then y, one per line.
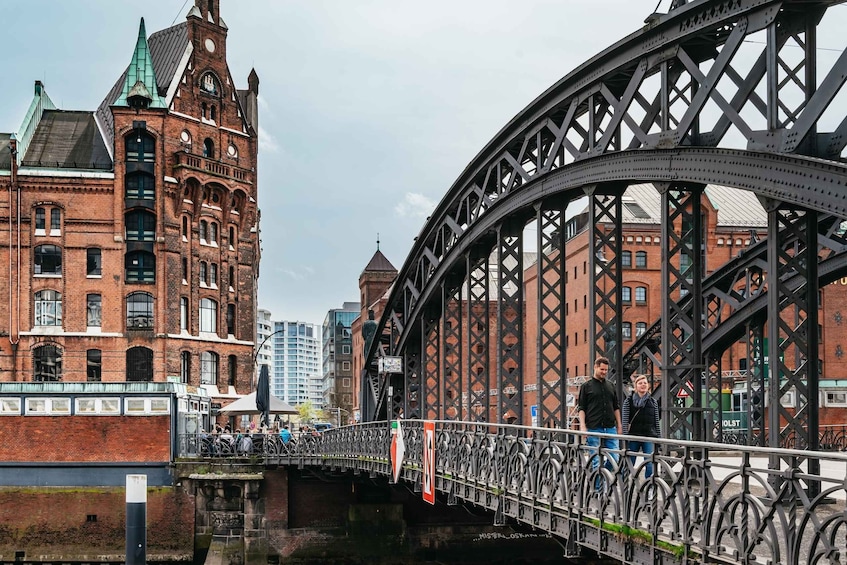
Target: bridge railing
pixel 714 502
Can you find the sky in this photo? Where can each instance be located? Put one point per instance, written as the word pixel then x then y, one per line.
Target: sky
pixel 369 109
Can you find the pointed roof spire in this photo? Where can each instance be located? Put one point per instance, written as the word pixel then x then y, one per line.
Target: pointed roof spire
pixel 379 262
pixel 140 90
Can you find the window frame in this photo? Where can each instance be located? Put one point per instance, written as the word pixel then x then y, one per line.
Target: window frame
pixel 49 254
pixel 47 307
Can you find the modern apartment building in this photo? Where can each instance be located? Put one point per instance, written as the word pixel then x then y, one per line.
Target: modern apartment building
pixel 296 362
pixel 337 386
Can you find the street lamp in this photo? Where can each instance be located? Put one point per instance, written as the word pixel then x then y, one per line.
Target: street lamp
pixel 338 412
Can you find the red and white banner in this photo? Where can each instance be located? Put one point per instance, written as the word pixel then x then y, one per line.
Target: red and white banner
pixel 429 462
pixel 398 449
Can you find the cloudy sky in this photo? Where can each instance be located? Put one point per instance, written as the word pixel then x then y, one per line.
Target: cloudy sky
pixel 369 110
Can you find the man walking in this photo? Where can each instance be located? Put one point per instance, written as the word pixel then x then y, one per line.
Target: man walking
pixel 600 413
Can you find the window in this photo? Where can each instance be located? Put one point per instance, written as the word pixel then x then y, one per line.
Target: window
pixel 208 315
pixel 230 319
pixel 39 221
pixel 640 328
pixel 52 406
pixel 140 147
pixel 232 365
pixel 139 364
pixel 55 221
pixel 183 313
pixel 626 294
pixel 140 267
pixel 48 308
pixel 48 260
pixel 185 228
pixel 139 310
pixel 213 233
pixel 208 368
pixel 94 310
pixel 47 363
pixel 213 275
pixel 145 406
pixel 640 259
pixel 231 237
pixel 93 365
pixel 345 350
pixel 204 230
pixel 835 398
pixel 641 295
pixel 184 270
pixel 93 262
pixel 91 406
pixel 232 278
pixel 140 186
pixel 204 273
pixel 184 366
pixel 140 226
pixel 345 382
pixel 345 366
pixel 626 259
pixel 208 148
pixel 626 331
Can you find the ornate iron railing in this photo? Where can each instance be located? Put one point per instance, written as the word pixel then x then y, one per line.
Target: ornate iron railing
pixel 703 503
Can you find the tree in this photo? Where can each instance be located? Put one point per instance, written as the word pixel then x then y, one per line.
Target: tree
pixel 306 410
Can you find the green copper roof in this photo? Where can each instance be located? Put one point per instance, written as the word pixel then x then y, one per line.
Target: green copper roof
pixel 140 76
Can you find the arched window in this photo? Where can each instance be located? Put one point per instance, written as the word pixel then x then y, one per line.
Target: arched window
pixel 233 369
pixel 640 328
pixel 626 294
pixel 48 308
pixel 213 115
pixel 231 237
pixel 626 331
pixel 641 295
pixel 140 186
pixel 184 366
pixel 140 226
pixel 139 364
pixel 139 310
pixel 626 259
pixel 55 221
pixel 208 315
pixel 140 267
pixel 213 233
pixel 208 368
pixel 204 110
pixel 208 148
pixel 183 313
pixel 640 259
pixel 213 275
pixel 204 273
pixel 185 228
pixel 230 319
pixel 204 230
pixel 40 221
pixel 46 363
pixel 48 260
pixel 93 365
pixel 140 147
pixel 232 278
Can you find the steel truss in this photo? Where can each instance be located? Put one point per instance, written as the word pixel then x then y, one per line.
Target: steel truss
pixel 666 105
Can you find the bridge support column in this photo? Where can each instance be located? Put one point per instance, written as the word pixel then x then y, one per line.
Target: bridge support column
pixel 478 386
pixel 510 324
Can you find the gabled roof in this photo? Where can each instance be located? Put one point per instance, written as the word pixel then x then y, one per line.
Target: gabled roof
pixel 379 263
pixel 67 140
pixel 140 76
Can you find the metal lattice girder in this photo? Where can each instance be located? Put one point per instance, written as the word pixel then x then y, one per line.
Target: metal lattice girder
pixel 451 348
pixel 793 338
pixel 432 368
pixel 755 385
pixel 604 266
pixel 510 325
pixel 552 377
pixel 713 385
pixel 478 385
pixel 682 251
pixel 410 404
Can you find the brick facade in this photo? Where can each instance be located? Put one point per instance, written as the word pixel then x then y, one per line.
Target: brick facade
pixel 202 165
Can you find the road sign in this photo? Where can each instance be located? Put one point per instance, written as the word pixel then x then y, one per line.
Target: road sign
pixel 428 476
pixel 682 392
pixel 533 412
pixel 398 449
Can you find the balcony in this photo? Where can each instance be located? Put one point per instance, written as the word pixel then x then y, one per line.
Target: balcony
pixel 212 167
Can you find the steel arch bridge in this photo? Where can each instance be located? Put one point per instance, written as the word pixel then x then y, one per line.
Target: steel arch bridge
pixel 724 92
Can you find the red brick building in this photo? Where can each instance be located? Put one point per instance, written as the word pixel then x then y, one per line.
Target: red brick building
pixel 129 234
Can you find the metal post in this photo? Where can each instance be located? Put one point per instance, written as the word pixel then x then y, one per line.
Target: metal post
pixel 136 519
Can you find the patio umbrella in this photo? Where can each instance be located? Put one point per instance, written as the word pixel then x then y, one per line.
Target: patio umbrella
pixel 246 406
pixel 263 396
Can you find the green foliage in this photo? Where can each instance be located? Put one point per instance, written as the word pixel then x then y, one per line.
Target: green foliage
pixel 307 411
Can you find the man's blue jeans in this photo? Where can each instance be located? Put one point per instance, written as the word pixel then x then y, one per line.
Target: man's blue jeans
pixel 645 447
pixel 610 443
